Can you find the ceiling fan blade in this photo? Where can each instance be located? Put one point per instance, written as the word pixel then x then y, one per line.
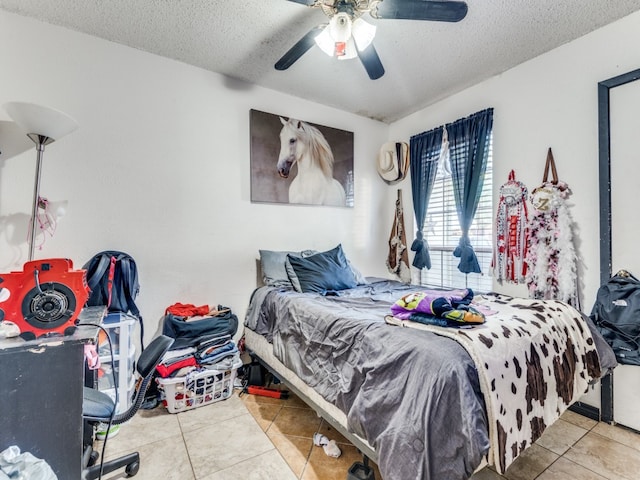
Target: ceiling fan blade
pixel 439 11
pixel 371 61
pixel 304 2
pixel 299 49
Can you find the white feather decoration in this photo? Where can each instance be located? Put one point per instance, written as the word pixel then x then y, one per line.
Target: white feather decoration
pixel 551 256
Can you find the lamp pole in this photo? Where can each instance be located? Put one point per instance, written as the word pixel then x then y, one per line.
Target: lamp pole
pixel 41 141
pixel 43 126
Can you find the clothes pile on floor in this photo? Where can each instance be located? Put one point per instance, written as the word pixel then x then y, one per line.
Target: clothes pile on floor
pixel 201 366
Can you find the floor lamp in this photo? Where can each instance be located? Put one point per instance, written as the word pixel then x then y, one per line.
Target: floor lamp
pixel 43 126
pixel 13 141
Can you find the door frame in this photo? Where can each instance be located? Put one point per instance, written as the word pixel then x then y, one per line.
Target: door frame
pixel 604 154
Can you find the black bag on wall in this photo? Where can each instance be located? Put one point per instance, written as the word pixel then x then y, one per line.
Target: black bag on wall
pixel 616 314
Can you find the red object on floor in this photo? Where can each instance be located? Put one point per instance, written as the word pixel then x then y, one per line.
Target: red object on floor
pixel 267 392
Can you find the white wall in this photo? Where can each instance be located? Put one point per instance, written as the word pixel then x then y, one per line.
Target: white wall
pixel 550 101
pixel 159 168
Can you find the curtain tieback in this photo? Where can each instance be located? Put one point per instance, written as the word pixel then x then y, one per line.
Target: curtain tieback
pixel 419 243
pixel 420 246
pixel 468 260
pixel 463 244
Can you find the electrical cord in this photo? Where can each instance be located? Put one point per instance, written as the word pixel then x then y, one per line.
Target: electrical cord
pixel 36 279
pixel 115 385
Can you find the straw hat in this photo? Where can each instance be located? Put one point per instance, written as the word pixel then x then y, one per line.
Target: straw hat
pixel 393 162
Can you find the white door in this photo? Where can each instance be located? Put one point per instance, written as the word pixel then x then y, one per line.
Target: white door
pixel 625 226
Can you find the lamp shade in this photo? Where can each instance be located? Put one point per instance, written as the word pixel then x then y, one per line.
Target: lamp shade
pixel 340 27
pixel 39 120
pixel 13 141
pixel 326 42
pixel 363 33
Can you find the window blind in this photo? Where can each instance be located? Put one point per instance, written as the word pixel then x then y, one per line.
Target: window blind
pixel 442 231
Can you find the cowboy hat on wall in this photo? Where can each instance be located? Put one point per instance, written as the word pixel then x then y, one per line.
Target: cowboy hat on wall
pixel 393 162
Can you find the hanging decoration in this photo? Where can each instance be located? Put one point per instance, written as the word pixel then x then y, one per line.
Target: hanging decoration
pixel 47 216
pixel 398 258
pixel 511 232
pixel 551 256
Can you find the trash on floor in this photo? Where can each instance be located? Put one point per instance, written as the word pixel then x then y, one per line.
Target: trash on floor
pixel 330 447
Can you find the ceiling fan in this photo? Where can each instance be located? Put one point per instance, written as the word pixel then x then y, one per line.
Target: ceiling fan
pixel 347 35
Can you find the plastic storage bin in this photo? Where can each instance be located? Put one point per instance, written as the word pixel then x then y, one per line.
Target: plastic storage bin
pixel 120 327
pixel 200 388
pixel 124 368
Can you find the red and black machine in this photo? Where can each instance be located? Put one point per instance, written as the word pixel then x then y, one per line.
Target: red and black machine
pixel 44 299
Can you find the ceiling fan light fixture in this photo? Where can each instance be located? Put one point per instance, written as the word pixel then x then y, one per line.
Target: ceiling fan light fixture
pixel 337 39
pixel 340 27
pixel 349 50
pixel 326 43
pixel 363 33
pixel 347 35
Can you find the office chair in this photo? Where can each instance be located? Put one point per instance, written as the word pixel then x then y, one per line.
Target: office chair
pixel 98 407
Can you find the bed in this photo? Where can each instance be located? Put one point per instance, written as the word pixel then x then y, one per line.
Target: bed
pixel 421 402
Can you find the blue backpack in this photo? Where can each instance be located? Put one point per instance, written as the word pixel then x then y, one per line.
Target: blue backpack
pixel 112 277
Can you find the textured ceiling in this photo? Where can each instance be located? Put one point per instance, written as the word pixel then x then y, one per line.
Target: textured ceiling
pixel 424 61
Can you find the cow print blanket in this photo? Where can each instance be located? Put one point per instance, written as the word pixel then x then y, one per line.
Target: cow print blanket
pixel 539 351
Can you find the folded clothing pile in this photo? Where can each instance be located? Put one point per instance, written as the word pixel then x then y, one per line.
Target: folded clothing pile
pixel 214 353
pixel 203 339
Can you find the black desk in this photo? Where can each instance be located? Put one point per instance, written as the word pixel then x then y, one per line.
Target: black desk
pixel 41 393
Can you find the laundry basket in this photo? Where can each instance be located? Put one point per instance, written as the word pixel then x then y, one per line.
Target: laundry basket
pixel 200 387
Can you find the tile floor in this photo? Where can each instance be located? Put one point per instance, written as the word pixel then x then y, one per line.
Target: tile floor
pixel 261 438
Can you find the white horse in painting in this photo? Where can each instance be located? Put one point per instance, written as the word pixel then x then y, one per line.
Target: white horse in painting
pixel 304 145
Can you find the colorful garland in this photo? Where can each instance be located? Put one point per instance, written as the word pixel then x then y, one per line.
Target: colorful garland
pixel 511 232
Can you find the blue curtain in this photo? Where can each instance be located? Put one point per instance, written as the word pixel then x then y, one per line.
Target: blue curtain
pixel 425 151
pixel 469 140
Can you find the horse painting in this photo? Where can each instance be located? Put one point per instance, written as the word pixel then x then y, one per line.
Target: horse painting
pixel 304 145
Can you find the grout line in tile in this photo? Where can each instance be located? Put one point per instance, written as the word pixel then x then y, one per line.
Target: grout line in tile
pixel 306 464
pixel 184 441
pixel 246 460
pixel 609 439
pixel 570 461
pixel 549 466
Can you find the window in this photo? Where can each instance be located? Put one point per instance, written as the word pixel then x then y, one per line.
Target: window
pixel 442 231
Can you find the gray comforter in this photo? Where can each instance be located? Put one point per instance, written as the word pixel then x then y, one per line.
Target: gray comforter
pixel 414 396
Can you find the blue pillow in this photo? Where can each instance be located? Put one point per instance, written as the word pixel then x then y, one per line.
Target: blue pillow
pixel 321 272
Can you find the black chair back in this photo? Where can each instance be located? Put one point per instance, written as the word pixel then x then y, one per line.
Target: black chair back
pixel 101 405
pixel 152 355
pixel 147 363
